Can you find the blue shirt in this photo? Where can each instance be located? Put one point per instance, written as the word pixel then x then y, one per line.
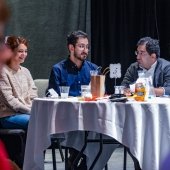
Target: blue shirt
pixel 66 73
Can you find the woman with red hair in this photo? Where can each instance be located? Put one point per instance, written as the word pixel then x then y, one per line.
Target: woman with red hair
pixel 17 88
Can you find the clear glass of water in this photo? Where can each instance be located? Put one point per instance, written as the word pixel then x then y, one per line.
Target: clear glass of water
pixel 119 89
pixel 64 91
pixel 86 91
pixel 94 72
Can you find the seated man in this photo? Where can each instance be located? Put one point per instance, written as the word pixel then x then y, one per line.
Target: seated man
pixel 148 60
pixel 74 72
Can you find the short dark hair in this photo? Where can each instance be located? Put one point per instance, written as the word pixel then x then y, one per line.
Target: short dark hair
pixel 74 36
pixel 152 45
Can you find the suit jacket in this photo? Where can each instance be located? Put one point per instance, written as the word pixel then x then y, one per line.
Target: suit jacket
pixel 161 75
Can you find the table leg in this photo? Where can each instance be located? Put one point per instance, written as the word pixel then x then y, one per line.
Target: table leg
pixel 125 158
pixel 99 153
pixel 54 158
pixel 66 158
pixel 106 167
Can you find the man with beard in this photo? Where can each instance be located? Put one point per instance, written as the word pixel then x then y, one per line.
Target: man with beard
pixel 75 70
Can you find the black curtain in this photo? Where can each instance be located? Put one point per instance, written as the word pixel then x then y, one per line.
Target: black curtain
pixel 117 25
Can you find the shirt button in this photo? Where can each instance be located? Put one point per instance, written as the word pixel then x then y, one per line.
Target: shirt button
pixel 79 82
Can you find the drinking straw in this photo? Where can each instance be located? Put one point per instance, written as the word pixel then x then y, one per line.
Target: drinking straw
pixel 106 70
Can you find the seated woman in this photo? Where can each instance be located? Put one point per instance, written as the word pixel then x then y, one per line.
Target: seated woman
pixel 17 88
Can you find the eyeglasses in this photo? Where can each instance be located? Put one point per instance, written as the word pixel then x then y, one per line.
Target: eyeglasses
pixel 83 46
pixel 141 53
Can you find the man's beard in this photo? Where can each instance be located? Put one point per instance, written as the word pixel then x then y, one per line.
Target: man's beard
pixel 81 56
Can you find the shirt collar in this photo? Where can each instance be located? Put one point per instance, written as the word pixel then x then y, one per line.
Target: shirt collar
pixel 153 66
pixel 72 67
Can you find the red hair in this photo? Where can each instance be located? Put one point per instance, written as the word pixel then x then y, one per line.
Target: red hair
pixel 13 42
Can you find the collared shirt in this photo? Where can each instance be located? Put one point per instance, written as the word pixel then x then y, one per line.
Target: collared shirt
pixel 66 73
pixel 150 72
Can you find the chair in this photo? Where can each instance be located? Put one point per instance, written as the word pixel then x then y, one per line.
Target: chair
pixel 14 140
pixel 42 85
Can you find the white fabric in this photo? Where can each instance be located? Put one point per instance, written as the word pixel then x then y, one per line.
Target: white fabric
pixel 144 127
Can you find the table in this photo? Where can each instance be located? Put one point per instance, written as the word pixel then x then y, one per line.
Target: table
pixel 144 127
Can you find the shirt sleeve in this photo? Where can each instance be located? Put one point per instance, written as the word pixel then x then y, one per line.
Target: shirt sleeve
pixel 54 79
pixel 8 98
pixel 166 78
pixel 130 76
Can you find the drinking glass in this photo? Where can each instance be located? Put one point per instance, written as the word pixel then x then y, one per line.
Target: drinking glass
pixel 64 91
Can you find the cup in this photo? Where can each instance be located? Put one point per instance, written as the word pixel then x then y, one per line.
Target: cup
pixel 64 91
pixel 98 85
pixel 86 92
pixel 119 89
pixel 94 72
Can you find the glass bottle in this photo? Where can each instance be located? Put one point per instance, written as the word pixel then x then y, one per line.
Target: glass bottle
pixel 141 87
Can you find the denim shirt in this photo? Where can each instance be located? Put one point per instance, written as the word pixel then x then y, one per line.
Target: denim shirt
pixel 66 73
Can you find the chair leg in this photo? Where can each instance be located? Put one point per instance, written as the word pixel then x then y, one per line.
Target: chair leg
pixel 54 158
pixel 106 167
pixel 60 150
pixel 125 158
pixel 66 158
pixel 44 154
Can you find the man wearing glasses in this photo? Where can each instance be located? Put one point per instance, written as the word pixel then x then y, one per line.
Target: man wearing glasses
pixel 148 60
pixel 73 72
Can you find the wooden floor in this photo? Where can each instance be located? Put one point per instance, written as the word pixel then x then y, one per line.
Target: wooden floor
pixel 115 162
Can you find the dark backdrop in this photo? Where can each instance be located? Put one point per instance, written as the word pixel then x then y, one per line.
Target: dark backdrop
pixel 115 27
pixel 46 24
pixel 118 24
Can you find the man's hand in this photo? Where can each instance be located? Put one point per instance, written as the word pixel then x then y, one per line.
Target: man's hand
pixel 159 91
pixel 127 92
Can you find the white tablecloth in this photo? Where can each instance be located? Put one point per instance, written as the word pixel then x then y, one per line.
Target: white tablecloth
pixel 144 127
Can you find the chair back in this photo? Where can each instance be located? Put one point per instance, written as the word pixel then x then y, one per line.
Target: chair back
pixel 41 85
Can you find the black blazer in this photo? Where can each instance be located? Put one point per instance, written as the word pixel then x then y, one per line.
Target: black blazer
pixel 161 75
